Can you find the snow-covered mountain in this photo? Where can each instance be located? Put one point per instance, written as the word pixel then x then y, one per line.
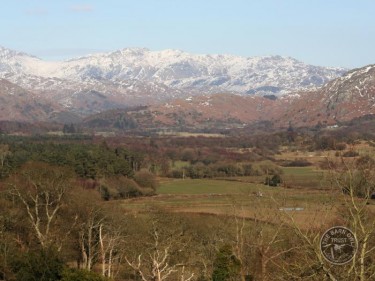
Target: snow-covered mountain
pixel 210 73
pixel 140 76
pixel 340 100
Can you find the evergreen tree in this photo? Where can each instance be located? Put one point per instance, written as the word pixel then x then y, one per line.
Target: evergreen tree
pixel 226 266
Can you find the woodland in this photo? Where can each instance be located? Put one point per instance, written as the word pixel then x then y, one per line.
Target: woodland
pixel 193 207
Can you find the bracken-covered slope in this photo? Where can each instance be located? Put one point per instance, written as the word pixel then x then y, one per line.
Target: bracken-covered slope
pixel 218 111
pixel 342 99
pixel 18 104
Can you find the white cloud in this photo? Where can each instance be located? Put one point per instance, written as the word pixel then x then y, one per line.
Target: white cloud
pixel 82 8
pixel 37 12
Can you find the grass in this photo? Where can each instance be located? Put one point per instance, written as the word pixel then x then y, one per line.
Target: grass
pixel 306 172
pixel 364 148
pixel 304 177
pixel 314 157
pixel 181 164
pixel 203 186
pixel 220 197
pixel 306 188
pixel 293 177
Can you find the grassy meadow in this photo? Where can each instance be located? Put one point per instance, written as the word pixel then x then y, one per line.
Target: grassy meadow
pixel 225 198
pixel 305 196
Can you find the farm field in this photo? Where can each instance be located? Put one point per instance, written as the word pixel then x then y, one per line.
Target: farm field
pixel 305 177
pixel 306 194
pixel 249 200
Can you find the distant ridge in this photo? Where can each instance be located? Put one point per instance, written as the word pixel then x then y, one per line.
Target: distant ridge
pixel 343 99
pixel 138 76
pixel 181 89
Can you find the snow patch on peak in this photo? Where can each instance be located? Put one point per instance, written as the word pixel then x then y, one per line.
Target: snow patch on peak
pixel 136 51
pixel 6 53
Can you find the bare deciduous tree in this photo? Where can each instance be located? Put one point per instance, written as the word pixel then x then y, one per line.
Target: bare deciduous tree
pixel 111 242
pixel 352 187
pixel 41 190
pixel 87 237
pixel 259 241
pixel 356 179
pixel 156 264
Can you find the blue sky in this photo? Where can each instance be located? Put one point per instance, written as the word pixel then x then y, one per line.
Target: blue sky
pixel 320 32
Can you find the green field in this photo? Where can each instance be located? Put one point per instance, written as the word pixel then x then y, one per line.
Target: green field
pixel 306 177
pixel 305 194
pixel 220 197
pixel 202 186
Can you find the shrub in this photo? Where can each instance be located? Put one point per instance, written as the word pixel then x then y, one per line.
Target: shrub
pixel 350 153
pixel 121 187
pixel 340 146
pixel 226 265
pixel 366 162
pixel 127 188
pixel 229 170
pixel 105 193
pixel 41 265
pixel 268 168
pixel 300 162
pixel 177 174
pixel 198 171
pixel 71 274
pixel 146 179
pixel 247 170
pixel 275 180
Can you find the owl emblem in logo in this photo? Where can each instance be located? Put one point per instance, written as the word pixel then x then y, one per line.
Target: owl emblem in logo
pixel 338 245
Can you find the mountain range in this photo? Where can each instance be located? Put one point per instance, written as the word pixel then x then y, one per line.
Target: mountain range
pixel 340 100
pixel 180 89
pixel 136 76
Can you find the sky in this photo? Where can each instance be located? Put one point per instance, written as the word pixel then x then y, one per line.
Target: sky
pixel 319 32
